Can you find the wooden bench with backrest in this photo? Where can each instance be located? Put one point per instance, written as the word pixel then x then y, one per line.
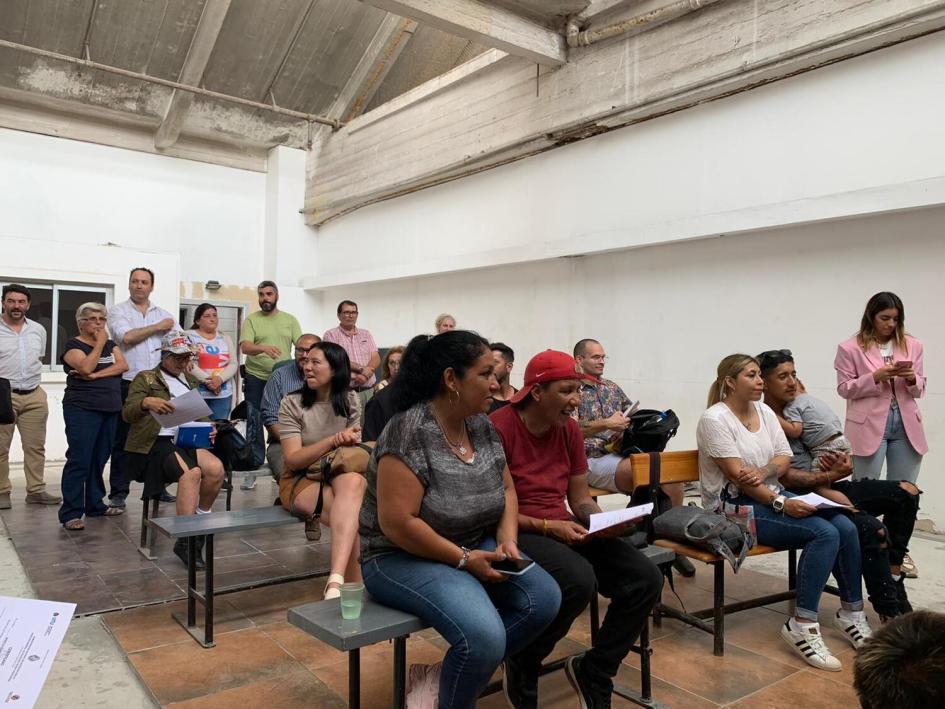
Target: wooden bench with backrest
pixel 683 467
pixel 190 527
pixel 378 623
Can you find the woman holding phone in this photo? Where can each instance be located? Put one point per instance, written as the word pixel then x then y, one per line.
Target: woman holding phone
pixel 440 509
pixel 880 374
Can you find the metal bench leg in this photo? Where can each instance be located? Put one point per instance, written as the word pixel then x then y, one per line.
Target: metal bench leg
pixel 400 672
pixel 718 610
pixel 228 484
pixel 354 679
pixel 147 539
pixel 191 583
pixel 646 689
pixel 208 594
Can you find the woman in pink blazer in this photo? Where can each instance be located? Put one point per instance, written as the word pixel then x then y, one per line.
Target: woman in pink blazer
pixel 879 373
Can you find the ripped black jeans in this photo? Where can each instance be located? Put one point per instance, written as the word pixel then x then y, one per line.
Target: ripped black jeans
pixel 882 543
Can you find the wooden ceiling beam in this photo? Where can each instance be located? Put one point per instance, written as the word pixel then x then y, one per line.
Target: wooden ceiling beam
pixel 201 47
pixel 485 24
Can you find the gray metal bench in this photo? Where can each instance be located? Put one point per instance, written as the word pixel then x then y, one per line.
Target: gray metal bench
pixel 190 527
pixel 149 508
pixel 376 624
pixel 379 623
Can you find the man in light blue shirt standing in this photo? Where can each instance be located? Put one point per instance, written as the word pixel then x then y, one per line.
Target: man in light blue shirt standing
pixel 136 325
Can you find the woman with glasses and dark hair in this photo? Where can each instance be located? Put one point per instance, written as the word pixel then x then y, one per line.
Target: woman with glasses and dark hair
pixel 90 408
pixel 821 461
pixel 314 421
pixel 216 364
pixel 154 457
pixel 880 374
pixel 743 454
pixel 440 510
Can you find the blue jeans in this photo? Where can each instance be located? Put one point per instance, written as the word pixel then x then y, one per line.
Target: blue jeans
pixel 254 428
pixel 902 462
pixel 483 623
pixel 220 408
pixel 830 543
pixel 90 435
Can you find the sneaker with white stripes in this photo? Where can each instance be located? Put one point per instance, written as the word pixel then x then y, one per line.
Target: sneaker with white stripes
pixel 809 644
pixel 856 629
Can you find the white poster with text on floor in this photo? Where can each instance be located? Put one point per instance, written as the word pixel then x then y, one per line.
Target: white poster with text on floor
pixel 31 632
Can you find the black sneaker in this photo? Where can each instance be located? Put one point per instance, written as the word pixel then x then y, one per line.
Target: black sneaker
pixel 118 501
pixel 167 497
pixel 591 695
pixel 904 605
pixel 684 566
pixel 521 691
pixel 180 549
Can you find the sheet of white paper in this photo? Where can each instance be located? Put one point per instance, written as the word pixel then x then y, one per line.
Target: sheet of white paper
pixel 819 501
pixel 30 634
pixel 187 407
pixel 603 520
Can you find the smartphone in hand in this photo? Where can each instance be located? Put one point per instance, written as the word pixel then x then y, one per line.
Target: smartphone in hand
pixel 513 567
pixel 904 364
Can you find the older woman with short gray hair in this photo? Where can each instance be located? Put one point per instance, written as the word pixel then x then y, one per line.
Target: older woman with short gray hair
pixel 90 407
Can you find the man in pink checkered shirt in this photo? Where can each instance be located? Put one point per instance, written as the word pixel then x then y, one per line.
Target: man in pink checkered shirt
pixel 361 349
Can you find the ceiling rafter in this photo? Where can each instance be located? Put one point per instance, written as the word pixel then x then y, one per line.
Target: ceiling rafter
pixel 486 24
pixel 191 73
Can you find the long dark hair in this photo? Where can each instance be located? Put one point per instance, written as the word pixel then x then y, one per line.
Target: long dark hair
pixel 198 313
pixel 340 366
pixel 884 300
pixel 426 358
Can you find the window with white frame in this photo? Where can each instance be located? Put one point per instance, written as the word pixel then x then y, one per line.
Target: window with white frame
pixel 53 305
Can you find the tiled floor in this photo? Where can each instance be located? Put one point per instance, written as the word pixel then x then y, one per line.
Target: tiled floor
pixel 100 569
pixel 261 659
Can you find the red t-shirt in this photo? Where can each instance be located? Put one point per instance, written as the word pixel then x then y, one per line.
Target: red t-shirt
pixel 541 467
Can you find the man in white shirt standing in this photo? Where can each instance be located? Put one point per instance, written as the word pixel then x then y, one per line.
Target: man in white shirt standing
pixel 22 346
pixel 136 325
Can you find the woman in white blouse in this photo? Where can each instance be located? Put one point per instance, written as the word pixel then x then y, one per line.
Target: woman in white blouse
pixel 742 454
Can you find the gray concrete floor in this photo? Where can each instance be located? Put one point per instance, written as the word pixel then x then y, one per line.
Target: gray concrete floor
pixel 90 669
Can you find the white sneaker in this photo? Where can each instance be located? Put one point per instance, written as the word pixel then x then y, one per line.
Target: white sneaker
pixel 424 682
pixel 856 629
pixel 248 483
pixel 809 644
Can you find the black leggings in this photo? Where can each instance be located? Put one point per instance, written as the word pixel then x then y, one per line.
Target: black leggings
pixel 882 543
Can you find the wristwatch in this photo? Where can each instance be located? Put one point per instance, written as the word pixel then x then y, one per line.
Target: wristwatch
pixel 462 562
pixel 778 503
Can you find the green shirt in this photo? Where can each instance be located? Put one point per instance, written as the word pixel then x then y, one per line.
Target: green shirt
pixel 278 329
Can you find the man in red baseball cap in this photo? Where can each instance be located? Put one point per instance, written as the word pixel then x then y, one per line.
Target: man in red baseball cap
pixel 544 449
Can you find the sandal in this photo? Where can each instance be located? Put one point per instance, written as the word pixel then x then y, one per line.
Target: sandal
pixel 113 512
pixel 74 525
pixel 334 592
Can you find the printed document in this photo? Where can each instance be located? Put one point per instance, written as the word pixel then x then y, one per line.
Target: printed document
pixel 30 634
pixel 604 520
pixel 187 407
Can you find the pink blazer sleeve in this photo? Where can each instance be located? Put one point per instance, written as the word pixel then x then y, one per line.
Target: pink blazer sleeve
pixel 917 390
pixel 852 383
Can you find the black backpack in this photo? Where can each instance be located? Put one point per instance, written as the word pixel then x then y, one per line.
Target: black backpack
pixel 649 431
pixel 7 415
pixel 231 447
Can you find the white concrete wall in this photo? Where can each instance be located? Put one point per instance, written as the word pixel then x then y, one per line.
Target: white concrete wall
pixel 823 188
pixel 861 136
pixel 85 213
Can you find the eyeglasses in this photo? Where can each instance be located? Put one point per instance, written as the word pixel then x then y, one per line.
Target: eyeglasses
pixel 598 358
pixel 775 354
pixel 349 312
pixel 93 319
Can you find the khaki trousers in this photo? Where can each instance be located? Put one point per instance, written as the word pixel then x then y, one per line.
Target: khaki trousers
pixel 31 414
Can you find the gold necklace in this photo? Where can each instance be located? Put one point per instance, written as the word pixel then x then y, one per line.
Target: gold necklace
pixel 459 447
